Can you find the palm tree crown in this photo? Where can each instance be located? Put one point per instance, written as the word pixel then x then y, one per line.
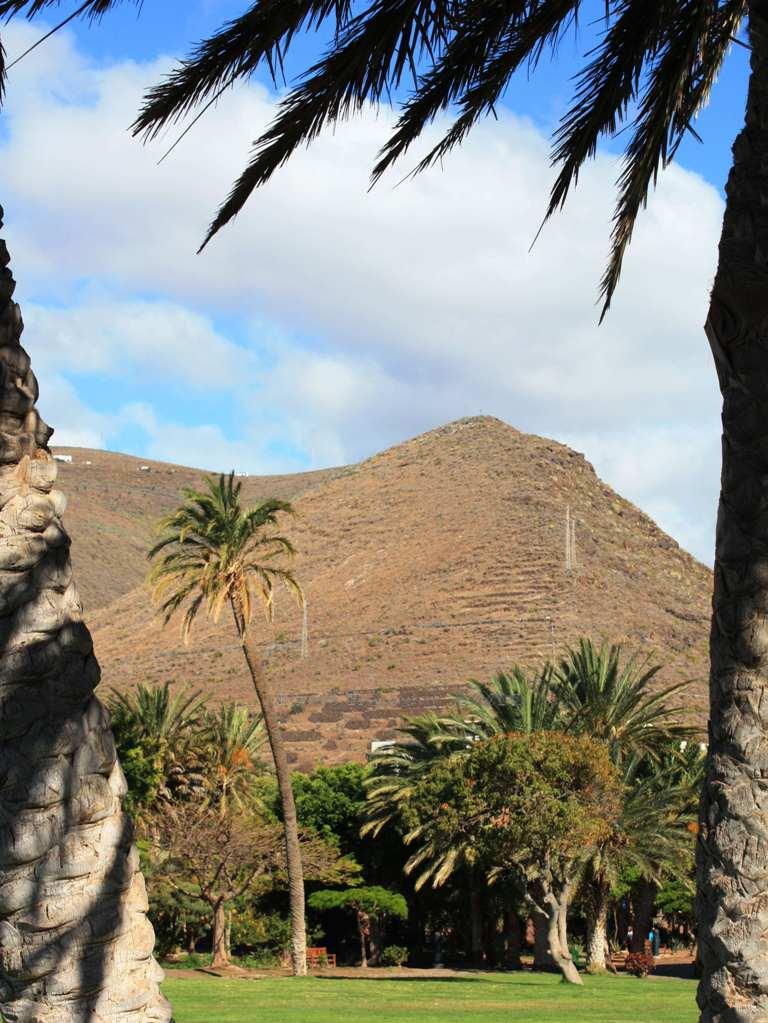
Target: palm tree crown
pixel 651 73
pixel 213 551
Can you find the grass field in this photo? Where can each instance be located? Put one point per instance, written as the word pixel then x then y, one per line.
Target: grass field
pixel 474 998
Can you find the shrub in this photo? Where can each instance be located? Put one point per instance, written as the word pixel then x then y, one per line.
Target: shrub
pixel 640 964
pixel 394 955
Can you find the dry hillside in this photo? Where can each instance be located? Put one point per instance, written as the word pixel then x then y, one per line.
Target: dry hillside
pixel 439 559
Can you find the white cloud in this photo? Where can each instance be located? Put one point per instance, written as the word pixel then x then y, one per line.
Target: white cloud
pixel 378 314
pixel 104 334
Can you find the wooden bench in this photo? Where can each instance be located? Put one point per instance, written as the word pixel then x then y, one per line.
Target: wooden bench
pixel 319 957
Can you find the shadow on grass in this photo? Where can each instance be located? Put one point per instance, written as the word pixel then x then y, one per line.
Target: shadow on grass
pixel 467 978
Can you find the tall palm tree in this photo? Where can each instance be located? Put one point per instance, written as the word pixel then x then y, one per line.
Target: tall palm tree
pixel 648 78
pixel 73 902
pixel 213 553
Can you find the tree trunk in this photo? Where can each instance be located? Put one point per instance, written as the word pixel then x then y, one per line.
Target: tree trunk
pixel 362 921
pixel 733 838
pixel 220 948
pixel 513 940
pixel 562 918
pixel 72 899
pixel 290 822
pixel 560 954
pixel 542 957
pixel 476 924
pixel 643 899
pixel 374 939
pixel 597 928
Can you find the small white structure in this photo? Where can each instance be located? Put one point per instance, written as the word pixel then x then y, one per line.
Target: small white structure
pixel 381 744
pixel 143 468
pixel 62 458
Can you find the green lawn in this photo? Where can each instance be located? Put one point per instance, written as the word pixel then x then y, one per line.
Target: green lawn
pixel 476 998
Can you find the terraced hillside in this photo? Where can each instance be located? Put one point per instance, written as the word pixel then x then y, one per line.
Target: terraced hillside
pixel 437 560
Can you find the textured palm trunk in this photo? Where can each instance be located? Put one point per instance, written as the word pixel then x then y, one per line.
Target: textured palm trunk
pixel 733 836
pixel 732 898
pixel 290 821
pixel 597 928
pixel 75 943
pixel 643 901
pixel 362 927
pixel 476 923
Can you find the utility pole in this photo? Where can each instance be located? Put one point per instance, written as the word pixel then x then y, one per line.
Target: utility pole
pixel 551 635
pixel 305 631
pixel 568 538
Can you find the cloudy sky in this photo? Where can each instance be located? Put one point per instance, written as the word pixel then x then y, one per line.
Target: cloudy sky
pixel 329 322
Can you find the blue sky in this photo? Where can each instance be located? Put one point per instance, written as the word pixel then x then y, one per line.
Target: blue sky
pixel 328 323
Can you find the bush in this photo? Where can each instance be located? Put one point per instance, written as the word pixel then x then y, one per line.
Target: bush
pixel 394 955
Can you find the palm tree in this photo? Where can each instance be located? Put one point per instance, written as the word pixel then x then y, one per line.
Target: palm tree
pixel 614 701
pixel 68 846
pixel 652 835
pixel 213 553
pixel 234 739
pixel 167 726
pixel 648 78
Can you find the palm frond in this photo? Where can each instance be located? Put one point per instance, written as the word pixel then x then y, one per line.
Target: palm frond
pixel 263 34
pixel 678 86
pixel 529 29
pixel 369 59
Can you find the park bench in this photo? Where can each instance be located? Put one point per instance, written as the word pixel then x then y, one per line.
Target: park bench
pixel 319 957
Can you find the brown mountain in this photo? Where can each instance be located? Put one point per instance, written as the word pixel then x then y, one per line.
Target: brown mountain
pixel 440 559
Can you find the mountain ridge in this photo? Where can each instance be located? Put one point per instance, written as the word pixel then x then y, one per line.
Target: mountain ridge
pixel 436 560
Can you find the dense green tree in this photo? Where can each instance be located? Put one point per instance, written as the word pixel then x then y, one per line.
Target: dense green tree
pixel 215 554
pixel 330 801
pixel 521 807
pixel 651 837
pixel 371 905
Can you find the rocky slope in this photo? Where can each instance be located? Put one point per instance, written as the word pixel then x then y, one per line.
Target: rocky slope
pixel 440 559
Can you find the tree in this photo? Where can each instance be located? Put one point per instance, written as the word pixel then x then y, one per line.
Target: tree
pixel 610 697
pixel 522 807
pixel 204 854
pixel 214 553
pixel 160 736
pixel 234 738
pixel 370 906
pixel 73 896
pixel 651 838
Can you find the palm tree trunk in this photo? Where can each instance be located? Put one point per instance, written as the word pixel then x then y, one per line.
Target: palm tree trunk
pixel 220 948
pixel 362 921
pixel 513 939
pixel 733 837
pixel 643 899
pixel 597 928
pixel 72 899
pixel 290 822
pixel 476 923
